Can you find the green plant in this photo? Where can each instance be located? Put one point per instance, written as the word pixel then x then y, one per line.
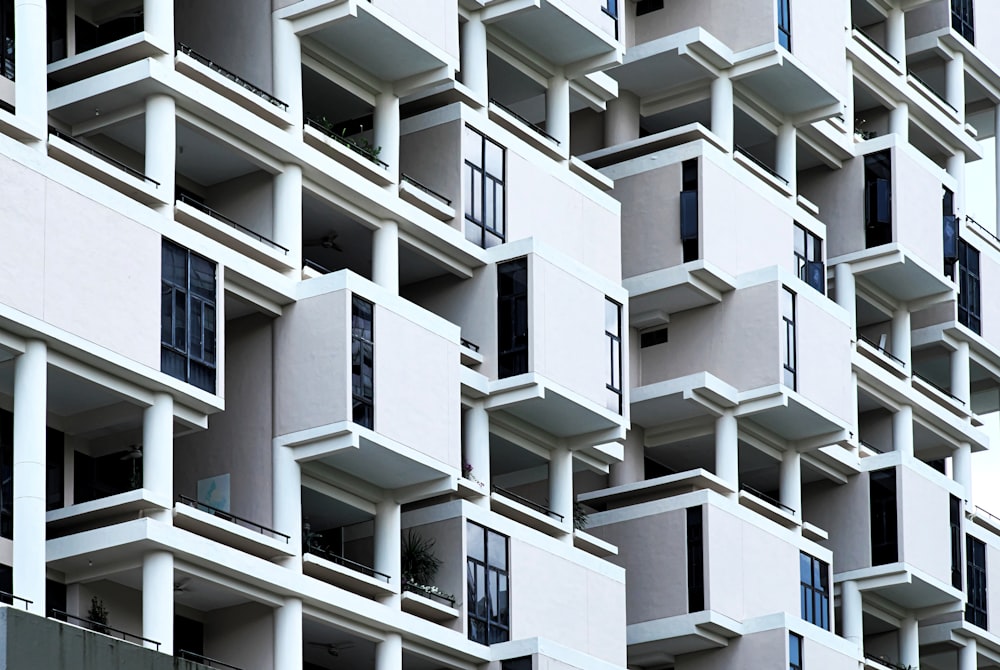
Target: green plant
pixel 363 146
pixel 419 563
pixel 98 615
pixel 580 517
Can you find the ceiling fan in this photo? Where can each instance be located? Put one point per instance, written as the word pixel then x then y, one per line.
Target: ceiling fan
pixel 328 241
pixel 333 648
pixel 182 586
pixel 134 453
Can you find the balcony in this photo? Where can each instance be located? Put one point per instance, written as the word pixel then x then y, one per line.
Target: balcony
pixel 193 212
pixel 230 529
pixel 345 573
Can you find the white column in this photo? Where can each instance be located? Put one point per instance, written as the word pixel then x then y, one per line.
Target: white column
pixel 727 463
pixel 961 468
pixel 633 467
pixel 561 485
pixel 473 57
pixel 557 111
pixel 854 408
pixel 161 145
pixel 996 164
pixel 845 290
pixel 30 56
pixel 722 109
pixel 621 120
pixel 790 484
pixel 385 256
pixel 287 502
pixel 386 131
pixel 30 391
pixel 476 448
pixel 158 599
pixel 899 120
pixel 902 430
pixel 158 21
pixel 895 35
pixel 968 656
pixel 851 616
pixel 909 643
pixel 956 168
pixel 288 212
pixel 960 384
pixel 784 151
pixel 954 83
pixel 287 59
pixel 288 634
pixel 388 653
pixel 849 98
pixel 388 539
pixel 900 345
pixel 158 453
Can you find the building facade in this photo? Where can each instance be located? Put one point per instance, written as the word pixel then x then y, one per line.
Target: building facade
pixel 502 334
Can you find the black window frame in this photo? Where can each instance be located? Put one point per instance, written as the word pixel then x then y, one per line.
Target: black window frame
pixel 189 350
pixel 784 15
pixel 963 19
pixel 789 348
pixel 878 199
pixel 613 382
pixel 970 298
pixel 689 228
pixel 814 590
pixel 7 42
pixel 695 546
pixel 809 266
pixel 482 229
pixel 647 6
pixel 955 519
pixel 513 332
pixel 610 7
pixel 977 593
pixel 485 613
pixel 884 516
pixel 362 361
pixel 795 652
pixel 950 232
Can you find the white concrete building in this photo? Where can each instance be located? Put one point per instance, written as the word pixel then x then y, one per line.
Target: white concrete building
pixel 499 334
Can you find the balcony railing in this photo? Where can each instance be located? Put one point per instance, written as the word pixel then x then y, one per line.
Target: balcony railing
pixel 766 498
pixel 354 146
pixel 881 349
pixel 527 503
pixel 98 627
pixel 225 219
pixel 103 156
pixel 871 40
pixel 761 164
pixel 536 128
pixel 204 660
pixel 429 592
pixel 927 86
pixel 982 228
pixel 207 62
pixel 869 445
pixel 10 599
pixel 429 191
pixel 316 266
pixel 347 563
pixel 228 516
pixel 882 660
pixel 938 388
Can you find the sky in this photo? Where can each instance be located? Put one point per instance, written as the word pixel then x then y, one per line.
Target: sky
pixel 980 204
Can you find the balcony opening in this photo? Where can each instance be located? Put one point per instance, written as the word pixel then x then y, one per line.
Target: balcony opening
pixel 871 116
pixel 518 94
pixel 756 143
pixel 342 537
pixel 871 24
pixel 931 449
pixel 675 117
pixel 521 475
pixel 333 239
pixel 881 641
pixel 874 324
pixel 336 113
pixel 691 453
pixel 932 364
pixel 114 153
pixel 928 75
pixel 99 23
pixel 874 425
pixel 329 647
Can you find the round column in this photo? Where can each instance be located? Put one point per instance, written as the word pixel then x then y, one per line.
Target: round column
pixel 561 485
pixel 30 391
pixel 722 110
pixel 473 57
pixel 727 463
pixel 288 634
pixel 158 600
pixel 158 453
pixel 388 540
pixel 385 256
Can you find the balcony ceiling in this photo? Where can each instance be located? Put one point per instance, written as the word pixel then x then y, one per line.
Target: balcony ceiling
pixel 786 86
pixel 657 73
pixel 557 37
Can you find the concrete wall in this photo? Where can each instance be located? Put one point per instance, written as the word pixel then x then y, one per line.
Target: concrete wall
pixel 916 205
pixel 924 523
pixel 424 17
pixel 239 441
pixel 242 635
pixel 818 41
pixel 823 372
pixel 235 33
pixel 931 17
pixel 433 156
pixel 79 265
pixel 650 220
pixel 751 23
pixel 842 511
pixel 247 200
pixel 989 268
pixel 839 194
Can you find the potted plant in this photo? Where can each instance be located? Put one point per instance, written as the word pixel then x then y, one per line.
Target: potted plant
pixel 419 566
pixel 98 616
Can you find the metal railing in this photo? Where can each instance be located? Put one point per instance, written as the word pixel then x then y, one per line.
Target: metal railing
pixel 204 660
pixel 766 498
pixel 347 563
pixel 225 219
pixel 208 62
pixel 994 517
pixel 347 142
pixel 228 516
pixel 426 189
pixel 535 127
pixel 761 164
pixel 10 598
pixel 103 156
pixel 316 266
pixel 927 86
pixel 938 388
pixel 869 445
pixel 470 345
pixel 982 228
pixel 422 590
pixel 527 503
pixel 881 349
pixel 874 43
pixel 882 660
pixel 98 627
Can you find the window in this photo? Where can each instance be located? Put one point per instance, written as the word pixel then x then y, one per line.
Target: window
pixel 955 512
pixel 794 652
pixel 814 578
pixel 484 189
pixel 969 295
pixel 651 338
pixel 610 8
pixel 785 24
pixel 963 20
pixel 647 6
pixel 7 39
pixel 363 361
pixel 520 663
pixel 488 585
pixel 950 232
pixel 878 199
pixel 187 317
pixel 613 331
pixel 689 209
pixel 884 527
pixel 788 349
pixel 512 317
pixel 976 603
pixel 809 259
pixel 695 560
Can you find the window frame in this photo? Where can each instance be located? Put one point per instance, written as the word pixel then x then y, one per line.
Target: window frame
pixel 795 642
pixel 615 351
pixel 196 348
pixel 694 539
pixel 362 402
pixel 501 621
pixel 880 484
pixel 970 296
pixel 977 589
pixel 809 257
pixel 784 16
pixel 789 347
pixel 485 230
pixel 814 599
pixel 513 315
pixel 963 19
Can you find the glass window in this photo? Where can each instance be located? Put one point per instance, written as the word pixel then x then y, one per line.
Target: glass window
pixel 188 316
pixel 878 199
pixel 977 603
pixel 814 579
pixel 483 188
pixel 955 513
pixel 969 290
pixel 809 259
pixel 963 19
pixel 884 518
pixel 695 560
pixel 613 331
pixel 794 652
pixel 689 209
pixel 488 585
pixel 788 349
pixel 785 24
pixel 512 317
pixel 7 40
pixel 363 361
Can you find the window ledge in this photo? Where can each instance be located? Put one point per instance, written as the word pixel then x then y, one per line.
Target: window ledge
pixel 426 607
